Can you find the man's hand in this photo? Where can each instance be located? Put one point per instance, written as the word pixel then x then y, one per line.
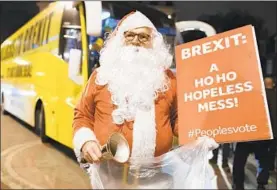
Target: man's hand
pixel 92 152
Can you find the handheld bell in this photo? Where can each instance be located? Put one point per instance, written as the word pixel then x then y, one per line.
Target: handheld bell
pixel 116 148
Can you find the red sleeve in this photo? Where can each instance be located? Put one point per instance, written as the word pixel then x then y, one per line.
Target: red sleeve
pixel 84 110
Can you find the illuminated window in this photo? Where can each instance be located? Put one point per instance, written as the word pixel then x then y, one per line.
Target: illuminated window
pixel 70 33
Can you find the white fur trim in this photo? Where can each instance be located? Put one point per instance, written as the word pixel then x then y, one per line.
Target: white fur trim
pixel 144 134
pixel 135 20
pixel 81 136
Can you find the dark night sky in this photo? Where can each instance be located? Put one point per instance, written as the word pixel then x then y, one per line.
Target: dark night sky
pixel 14 14
pixel 266 10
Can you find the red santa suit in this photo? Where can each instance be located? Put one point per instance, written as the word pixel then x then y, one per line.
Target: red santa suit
pixel 150 133
pixel 140 102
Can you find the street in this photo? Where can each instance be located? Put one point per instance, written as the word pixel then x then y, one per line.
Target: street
pixel 26 163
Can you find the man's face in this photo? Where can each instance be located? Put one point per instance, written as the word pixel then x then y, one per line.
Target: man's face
pixel 269 84
pixel 141 37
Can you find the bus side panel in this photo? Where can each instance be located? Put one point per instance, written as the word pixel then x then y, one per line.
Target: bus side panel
pixel 7 87
pixel 48 82
pixel 56 90
pixel 68 97
pixel 44 78
pixel 36 75
pixel 46 74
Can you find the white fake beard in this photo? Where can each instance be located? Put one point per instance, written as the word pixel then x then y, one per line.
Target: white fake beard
pixel 135 76
pixel 134 79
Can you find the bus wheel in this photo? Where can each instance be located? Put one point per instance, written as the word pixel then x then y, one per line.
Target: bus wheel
pixel 4 112
pixel 40 124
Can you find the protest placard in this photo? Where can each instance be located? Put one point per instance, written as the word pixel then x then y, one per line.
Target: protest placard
pixel 220 88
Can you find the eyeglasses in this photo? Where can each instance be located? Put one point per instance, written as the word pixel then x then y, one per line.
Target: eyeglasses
pixel 142 37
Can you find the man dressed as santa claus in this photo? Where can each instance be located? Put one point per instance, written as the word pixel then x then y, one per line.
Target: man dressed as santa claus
pixel 133 92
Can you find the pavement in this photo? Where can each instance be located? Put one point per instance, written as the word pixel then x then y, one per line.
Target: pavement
pixel 26 163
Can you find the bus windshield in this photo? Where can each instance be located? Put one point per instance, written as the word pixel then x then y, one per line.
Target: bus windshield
pixel 113 12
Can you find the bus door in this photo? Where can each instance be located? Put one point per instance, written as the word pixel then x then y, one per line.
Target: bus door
pixel 72 49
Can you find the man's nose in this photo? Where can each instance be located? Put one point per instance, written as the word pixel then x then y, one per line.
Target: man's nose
pixel 135 40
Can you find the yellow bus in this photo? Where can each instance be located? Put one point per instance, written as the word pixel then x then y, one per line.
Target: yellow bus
pixel 46 63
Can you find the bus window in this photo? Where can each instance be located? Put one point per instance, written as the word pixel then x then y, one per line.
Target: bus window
pixel 70 33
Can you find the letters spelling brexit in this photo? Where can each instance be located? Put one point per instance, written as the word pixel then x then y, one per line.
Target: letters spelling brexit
pixel 215 45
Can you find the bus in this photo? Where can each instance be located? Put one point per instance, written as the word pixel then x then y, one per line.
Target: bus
pixel 46 63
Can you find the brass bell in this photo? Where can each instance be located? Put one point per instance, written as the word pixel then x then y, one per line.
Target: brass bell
pixel 116 148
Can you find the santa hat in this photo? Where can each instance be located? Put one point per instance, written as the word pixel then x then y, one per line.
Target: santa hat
pixel 133 20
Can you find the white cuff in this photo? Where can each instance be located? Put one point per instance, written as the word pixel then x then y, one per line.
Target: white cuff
pixel 81 136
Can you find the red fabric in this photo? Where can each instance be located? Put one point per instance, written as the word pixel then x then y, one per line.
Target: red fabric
pixel 95 108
